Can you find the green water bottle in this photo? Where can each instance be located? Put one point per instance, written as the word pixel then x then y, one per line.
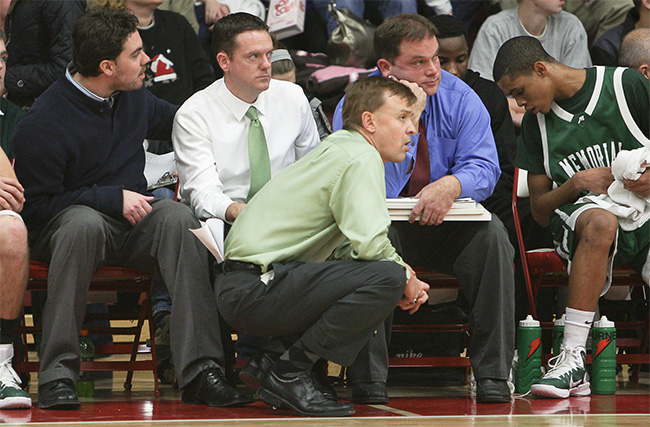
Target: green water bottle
pixel 86 384
pixel 558 334
pixel 529 349
pixel 603 357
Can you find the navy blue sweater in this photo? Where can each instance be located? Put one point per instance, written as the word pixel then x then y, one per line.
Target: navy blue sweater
pixel 73 150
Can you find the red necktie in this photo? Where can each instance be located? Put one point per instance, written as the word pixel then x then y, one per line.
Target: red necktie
pixel 421 175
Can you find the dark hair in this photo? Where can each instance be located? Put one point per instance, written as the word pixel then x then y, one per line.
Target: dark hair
pixel 449 26
pixel 518 56
pixel 369 94
pixel 98 35
pixel 3 36
pixel 226 30
pixel 403 27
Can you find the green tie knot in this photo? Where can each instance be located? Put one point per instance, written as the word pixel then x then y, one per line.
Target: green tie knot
pixel 252 113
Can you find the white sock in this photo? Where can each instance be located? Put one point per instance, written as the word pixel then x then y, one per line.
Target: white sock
pixel 576 327
pixel 6 352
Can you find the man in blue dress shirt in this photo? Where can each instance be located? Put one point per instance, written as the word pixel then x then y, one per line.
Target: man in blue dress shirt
pixel 459 160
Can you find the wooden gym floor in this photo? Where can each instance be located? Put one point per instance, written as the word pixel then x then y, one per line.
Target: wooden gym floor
pixel 409 406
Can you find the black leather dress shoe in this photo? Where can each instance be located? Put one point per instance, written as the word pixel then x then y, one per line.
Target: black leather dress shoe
pixel 489 390
pixel 210 388
pixel 255 370
pixel 369 393
pixel 58 394
pixel 259 366
pixel 301 395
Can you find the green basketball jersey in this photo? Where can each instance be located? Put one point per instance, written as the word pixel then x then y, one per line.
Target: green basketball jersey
pixel 608 114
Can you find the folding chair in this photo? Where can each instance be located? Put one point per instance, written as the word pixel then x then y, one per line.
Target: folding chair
pixel 106 279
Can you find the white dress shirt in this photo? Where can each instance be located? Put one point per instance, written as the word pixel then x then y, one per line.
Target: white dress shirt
pixel 210 138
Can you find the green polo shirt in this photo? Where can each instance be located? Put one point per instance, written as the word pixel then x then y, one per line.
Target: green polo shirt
pixel 331 204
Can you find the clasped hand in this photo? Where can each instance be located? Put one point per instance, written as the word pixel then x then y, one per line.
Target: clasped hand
pixel 596 180
pixel 415 294
pixel 12 195
pixel 639 186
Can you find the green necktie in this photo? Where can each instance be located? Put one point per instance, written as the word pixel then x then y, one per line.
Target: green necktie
pixel 258 154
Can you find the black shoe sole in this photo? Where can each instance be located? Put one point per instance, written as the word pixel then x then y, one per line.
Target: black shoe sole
pixel 71 405
pixel 235 402
pixel 276 401
pixel 370 400
pixel 494 399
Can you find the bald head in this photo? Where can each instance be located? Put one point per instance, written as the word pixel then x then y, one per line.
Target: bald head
pixel 635 51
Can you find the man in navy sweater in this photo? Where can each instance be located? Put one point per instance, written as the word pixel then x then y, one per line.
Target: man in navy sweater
pixel 79 155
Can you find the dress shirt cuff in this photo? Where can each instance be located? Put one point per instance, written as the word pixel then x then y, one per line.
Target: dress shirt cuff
pixel 406 271
pixel 466 184
pixel 220 209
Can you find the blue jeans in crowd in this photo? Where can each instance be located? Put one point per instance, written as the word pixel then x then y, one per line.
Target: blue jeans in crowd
pixel 384 8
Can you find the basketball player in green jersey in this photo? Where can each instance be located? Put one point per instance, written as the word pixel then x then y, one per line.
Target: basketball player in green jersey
pixel 577 121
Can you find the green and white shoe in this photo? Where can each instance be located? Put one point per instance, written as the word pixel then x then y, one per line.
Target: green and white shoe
pixel 11 395
pixel 566 377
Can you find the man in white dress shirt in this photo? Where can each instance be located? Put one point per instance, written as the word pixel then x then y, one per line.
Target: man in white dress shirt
pixel 211 129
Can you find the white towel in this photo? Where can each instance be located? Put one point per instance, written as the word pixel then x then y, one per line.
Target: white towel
pixel 631 209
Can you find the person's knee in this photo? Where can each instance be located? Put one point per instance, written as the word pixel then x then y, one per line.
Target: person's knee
pixel 496 229
pixel 395 277
pixel 13 240
pixel 81 225
pixel 598 229
pixel 175 213
pixel 496 236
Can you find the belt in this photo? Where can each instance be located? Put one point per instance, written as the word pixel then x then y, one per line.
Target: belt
pixel 229 265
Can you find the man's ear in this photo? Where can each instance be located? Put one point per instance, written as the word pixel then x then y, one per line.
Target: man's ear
pixel 368 121
pixel 384 67
pixel 540 68
pixel 223 61
pixel 645 70
pixel 107 66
